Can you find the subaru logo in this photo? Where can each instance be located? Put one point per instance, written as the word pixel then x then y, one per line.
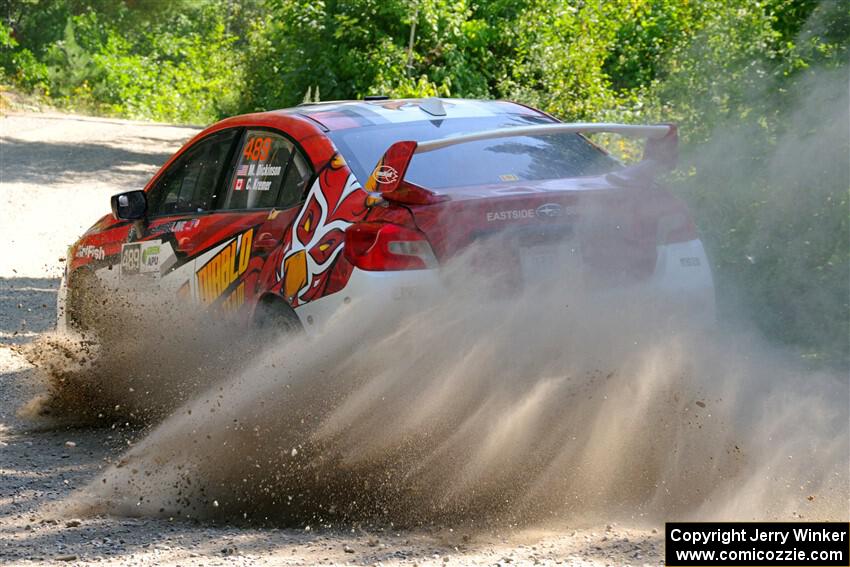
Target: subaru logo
pixel 549 211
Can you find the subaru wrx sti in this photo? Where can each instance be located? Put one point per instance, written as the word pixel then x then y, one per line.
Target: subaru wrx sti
pixel 289 215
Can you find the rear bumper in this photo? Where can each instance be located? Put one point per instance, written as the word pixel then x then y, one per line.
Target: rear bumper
pixel 681 286
pixel 683 274
pixel 680 290
pixel 376 296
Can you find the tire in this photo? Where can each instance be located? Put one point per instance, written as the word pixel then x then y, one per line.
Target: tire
pixel 82 307
pixel 274 316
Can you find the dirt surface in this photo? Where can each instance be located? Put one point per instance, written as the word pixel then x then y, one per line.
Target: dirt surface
pixel 56 175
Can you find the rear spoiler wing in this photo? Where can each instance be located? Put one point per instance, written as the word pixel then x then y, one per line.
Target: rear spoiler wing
pixel 660 153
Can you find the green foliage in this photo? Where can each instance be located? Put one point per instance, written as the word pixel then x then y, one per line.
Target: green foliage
pixel 7 42
pixel 163 61
pixel 349 49
pixel 759 88
pixel 768 159
pixel 179 78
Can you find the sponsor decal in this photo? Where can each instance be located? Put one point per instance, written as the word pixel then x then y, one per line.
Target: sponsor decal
pixel 546 211
pixel 216 276
pixel 175 226
pixel 89 251
pixel 394 104
pixel 508 177
pixel 141 258
pixel 690 262
pixel 235 300
pixel 386 174
pixel 549 211
pixel 150 258
pixel 186 225
pixel 514 214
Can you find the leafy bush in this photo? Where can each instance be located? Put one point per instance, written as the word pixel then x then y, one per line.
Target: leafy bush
pixel 764 105
pixel 177 66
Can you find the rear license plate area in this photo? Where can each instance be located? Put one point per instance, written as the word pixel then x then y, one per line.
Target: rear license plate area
pixel 549 255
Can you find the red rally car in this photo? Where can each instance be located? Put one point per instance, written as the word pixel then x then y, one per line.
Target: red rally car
pixel 289 215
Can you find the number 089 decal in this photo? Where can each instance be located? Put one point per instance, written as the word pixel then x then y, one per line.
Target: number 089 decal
pixel 131 259
pixel 141 258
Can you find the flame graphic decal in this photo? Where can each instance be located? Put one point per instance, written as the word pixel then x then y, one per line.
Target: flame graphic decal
pixel 312 264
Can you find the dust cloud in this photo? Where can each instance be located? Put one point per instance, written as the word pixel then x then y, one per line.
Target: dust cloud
pixel 137 359
pixel 544 406
pixel 547 407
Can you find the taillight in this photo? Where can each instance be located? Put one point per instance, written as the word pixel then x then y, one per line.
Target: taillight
pixel 376 246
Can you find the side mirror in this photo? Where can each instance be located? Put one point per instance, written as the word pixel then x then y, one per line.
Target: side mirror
pixel 131 205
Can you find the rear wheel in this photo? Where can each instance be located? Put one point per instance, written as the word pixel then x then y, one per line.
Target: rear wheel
pixel 274 316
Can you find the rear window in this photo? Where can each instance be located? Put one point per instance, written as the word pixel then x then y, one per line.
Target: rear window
pixel 484 162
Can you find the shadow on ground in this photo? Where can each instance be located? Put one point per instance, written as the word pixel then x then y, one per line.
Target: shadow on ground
pixel 27 307
pixel 72 162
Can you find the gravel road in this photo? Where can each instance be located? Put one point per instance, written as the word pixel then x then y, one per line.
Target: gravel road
pixel 56 176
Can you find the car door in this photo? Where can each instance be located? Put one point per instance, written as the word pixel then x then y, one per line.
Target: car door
pixel 159 255
pixel 262 194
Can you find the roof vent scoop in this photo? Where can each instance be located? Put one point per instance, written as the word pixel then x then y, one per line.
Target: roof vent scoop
pixel 433 106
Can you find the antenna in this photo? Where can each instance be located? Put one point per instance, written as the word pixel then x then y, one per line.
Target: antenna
pixel 433 106
pixel 412 38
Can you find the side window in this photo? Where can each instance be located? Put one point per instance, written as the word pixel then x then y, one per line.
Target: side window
pixel 260 169
pixel 297 177
pixel 270 172
pixel 190 183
